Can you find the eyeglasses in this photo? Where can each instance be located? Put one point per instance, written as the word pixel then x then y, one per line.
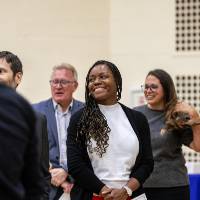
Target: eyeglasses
pixel 61 82
pixel 152 87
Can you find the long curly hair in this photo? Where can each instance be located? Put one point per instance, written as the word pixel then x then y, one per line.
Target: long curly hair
pixel 93 124
pixel 170 96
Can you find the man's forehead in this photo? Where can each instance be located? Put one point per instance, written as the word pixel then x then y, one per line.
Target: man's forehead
pixel 64 72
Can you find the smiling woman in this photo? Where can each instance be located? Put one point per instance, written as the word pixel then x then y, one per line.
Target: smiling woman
pixel 103 129
pixel 172 123
pixel 102 86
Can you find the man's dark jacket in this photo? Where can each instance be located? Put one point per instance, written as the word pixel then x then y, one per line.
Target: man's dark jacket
pixel 43 145
pixel 20 176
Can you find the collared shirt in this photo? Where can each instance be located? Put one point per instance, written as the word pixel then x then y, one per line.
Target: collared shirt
pixel 62 120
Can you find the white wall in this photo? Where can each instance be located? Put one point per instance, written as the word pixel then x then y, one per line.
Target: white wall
pixel 48 32
pixel 142 38
pixel 136 35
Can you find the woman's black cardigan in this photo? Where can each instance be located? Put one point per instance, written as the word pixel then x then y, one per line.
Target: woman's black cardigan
pixel 79 165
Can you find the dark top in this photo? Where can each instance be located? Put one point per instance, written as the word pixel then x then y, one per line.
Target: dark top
pixel 41 130
pixel 79 165
pixel 20 176
pixel 169 163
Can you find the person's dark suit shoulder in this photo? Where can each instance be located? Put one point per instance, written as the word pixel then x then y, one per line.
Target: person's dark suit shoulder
pixel 43 146
pixel 19 167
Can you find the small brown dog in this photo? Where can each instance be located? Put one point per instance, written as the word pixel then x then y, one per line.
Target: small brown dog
pixel 179 120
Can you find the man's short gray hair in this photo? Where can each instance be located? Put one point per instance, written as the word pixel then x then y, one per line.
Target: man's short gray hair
pixel 66 66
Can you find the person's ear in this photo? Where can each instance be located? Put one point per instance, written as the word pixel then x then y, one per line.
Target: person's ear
pixel 75 85
pixel 18 78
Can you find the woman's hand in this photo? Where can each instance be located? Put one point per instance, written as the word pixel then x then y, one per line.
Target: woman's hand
pixel 105 192
pixel 117 194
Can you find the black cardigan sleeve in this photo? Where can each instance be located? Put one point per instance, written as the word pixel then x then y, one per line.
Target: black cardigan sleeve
pixel 79 165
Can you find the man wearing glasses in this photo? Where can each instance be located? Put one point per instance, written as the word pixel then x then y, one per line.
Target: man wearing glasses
pixel 58 111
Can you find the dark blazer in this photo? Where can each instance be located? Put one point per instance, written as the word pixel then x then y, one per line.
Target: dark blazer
pixel 79 165
pixel 43 145
pixel 20 176
pixel 46 107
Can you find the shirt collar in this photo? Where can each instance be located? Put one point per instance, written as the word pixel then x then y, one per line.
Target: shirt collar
pixel 57 106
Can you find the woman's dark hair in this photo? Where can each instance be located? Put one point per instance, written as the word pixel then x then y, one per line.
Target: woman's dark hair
pixel 93 124
pixel 170 96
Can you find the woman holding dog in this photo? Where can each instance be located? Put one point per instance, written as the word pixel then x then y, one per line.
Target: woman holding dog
pixel 172 123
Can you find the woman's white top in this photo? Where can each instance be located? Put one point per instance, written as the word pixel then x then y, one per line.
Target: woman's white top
pixel 114 167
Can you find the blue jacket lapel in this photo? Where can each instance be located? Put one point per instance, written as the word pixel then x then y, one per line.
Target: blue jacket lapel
pixel 51 118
